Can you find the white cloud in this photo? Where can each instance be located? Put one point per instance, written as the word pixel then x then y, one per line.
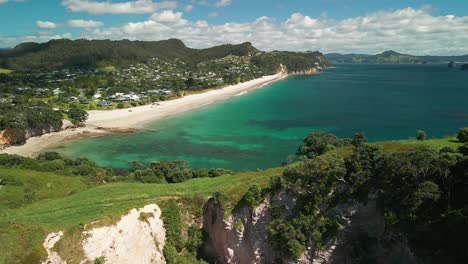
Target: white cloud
pixel 45 24
pixel 414 31
pixel 108 7
pixel 213 14
pixel 222 3
pixel 188 8
pixel 169 17
pixel 3 1
pixel 80 23
pixel 43 36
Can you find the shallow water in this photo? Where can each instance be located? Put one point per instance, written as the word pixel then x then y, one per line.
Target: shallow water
pixel 261 128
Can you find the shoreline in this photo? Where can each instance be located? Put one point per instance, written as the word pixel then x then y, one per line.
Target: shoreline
pixel 102 123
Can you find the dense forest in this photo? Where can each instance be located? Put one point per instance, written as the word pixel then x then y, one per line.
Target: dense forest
pixel 419 195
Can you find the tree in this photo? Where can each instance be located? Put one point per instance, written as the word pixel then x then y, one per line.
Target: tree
pixel 78 116
pixel 464 149
pixel 420 135
pixel 462 135
pixel 253 196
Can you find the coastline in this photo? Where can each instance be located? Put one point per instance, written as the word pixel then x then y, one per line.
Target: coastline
pixel 101 123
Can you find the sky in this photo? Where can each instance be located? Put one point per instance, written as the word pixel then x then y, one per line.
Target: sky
pixel 419 27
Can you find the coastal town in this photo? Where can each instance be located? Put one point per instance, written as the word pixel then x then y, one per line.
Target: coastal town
pixel 137 84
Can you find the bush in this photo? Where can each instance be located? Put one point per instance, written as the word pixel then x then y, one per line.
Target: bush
pixel 462 135
pixel 120 105
pixel 49 156
pixel 78 116
pixel 463 149
pixel 420 135
pixel 253 196
pixel 194 240
pixel 218 172
pixel 53 165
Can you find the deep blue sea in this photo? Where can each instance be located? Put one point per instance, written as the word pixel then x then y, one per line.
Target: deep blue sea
pixel 263 127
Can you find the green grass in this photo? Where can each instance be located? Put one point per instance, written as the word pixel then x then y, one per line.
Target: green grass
pixel 67 203
pixel 25 186
pixel 5 71
pixel 108 69
pixel 36 220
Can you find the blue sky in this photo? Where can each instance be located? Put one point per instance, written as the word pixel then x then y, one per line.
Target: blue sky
pixel 367 26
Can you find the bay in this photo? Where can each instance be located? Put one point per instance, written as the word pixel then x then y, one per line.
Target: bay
pixel 260 129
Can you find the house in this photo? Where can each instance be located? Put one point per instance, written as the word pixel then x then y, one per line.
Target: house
pixel 104 104
pixel 57 91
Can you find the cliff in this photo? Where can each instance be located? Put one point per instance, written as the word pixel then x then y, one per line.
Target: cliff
pixel 138 237
pixel 243 238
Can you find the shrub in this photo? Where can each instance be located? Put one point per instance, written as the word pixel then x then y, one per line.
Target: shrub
pixel 49 156
pixel 462 135
pixel 253 196
pixel 464 149
pixel 420 135
pixel 194 240
pixel 218 172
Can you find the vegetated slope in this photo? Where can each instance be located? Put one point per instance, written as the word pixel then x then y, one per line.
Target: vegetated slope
pixel 23 230
pixel 64 53
pixel 20 187
pixel 391 56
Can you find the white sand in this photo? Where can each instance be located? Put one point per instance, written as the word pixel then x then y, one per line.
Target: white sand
pixel 137 117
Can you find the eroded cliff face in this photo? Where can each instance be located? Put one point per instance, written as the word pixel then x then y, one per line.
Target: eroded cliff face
pixel 243 238
pixel 139 237
pixel 13 136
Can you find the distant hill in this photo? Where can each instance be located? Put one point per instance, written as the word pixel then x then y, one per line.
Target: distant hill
pixel 64 53
pixel 391 56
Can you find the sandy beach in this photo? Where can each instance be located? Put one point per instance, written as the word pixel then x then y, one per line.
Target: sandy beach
pixel 104 122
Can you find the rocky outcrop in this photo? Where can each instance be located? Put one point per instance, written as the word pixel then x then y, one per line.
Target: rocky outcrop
pixel 14 136
pixel 310 71
pixel 139 237
pixel 49 243
pixel 242 237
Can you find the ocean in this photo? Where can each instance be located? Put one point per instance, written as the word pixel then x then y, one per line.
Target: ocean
pixel 259 129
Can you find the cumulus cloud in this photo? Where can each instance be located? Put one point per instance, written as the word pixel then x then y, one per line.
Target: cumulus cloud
pixel 43 36
pixel 169 17
pixel 80 23
pixel 108 7
pixel 74 23
pixel 45 24
pixel 222 3
pixel 409 30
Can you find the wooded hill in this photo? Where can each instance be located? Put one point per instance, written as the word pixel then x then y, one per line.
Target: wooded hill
pixel 65 53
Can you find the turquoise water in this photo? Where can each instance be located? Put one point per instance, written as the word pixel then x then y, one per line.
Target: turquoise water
pixel 260 129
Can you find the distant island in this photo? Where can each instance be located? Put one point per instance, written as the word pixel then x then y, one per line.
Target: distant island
pixel 391 56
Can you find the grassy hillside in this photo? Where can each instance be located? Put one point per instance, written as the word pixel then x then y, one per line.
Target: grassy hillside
pixel 23 230
pixel 67 203
pixel 21 187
